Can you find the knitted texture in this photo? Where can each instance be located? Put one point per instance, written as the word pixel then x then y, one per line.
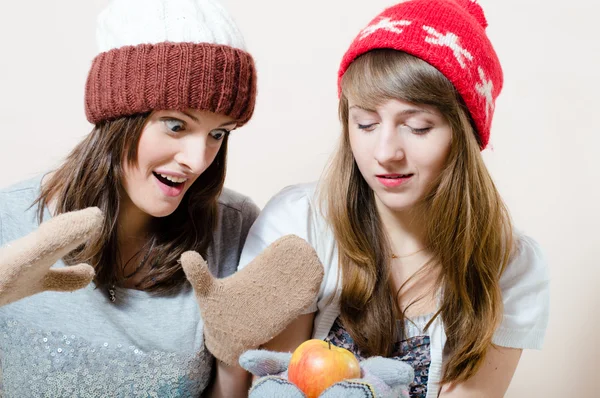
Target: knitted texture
pixel 252 306
pixel 274 387
pixel 177 76
pixel 380 378
pixel 449 35
pixel 265 363
pixel 25 264
pixel 169 54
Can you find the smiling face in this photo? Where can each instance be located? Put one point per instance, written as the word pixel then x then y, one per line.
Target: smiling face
pixel 400 149
pixel 174 149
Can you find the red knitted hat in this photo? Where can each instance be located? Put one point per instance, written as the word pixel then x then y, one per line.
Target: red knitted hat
pixel 169 55
pixel 449 35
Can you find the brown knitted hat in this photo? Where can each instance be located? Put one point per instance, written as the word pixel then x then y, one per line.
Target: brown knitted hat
pixel 175 54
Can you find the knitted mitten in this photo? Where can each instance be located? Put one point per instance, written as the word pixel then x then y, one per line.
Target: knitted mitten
pixel 252 306
pixel 274 387
pixel 271 367
pixel 25 263
pixel 265 363
pixel 381 378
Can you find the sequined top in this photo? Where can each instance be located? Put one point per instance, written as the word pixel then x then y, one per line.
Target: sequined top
pixel 81 345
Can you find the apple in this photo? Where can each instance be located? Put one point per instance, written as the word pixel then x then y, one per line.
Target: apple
pixel 316 365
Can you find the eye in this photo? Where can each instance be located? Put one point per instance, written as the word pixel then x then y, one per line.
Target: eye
pixel 174 125
pixel 367 127
pixel 421 131
pixel 218 134
pixel 418 131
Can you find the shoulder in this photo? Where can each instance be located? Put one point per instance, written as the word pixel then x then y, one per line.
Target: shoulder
pixel 17 215
pixel 527 265
pixel 292 211
pixel 237 213
pixel 237 205
pixel 300 200
pixel 234 200
pixel 21 192
pixel 525 286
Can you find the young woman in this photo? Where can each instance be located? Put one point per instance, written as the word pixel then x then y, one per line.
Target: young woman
pixel 421 260
pixel 164 93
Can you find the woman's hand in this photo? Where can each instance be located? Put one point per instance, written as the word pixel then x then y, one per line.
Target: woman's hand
pixel 250 307
pixel 25 264
pixel 380 378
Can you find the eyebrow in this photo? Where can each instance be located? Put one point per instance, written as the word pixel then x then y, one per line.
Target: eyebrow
pixel 195 119
pixel 410 111
pixel 228 123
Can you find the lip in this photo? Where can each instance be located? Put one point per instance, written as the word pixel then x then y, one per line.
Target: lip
pixel 172 174
pixel 168 190
pixel 393 180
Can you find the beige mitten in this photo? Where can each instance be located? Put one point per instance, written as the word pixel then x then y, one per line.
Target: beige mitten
pixel 25 263
pixel 252 306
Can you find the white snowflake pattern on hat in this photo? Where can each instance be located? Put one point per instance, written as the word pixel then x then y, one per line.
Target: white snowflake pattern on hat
pixel 384 24
pixel 485 88
pixel 448 40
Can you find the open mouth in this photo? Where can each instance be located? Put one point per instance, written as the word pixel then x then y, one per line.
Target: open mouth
pixel 170 181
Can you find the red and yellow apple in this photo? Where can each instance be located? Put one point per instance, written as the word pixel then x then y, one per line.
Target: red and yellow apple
pixel 317 364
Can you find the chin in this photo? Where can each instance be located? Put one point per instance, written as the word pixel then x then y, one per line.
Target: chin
pixel 163 212
pixel 398 207
pixel 159 211
pixel 396 203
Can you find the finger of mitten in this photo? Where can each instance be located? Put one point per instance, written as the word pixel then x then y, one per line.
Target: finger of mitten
pixel 70 278
pixel 274 387
pixel 264 363
pixel 53 239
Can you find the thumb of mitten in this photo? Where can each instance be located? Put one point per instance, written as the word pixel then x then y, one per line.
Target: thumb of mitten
pixel 25 264
pixel 197 272
pixel 265 363
pixel 271 367
pixel 67 279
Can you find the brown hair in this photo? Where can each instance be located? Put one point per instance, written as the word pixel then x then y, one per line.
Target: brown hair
pixel 92 176
pixel 468 229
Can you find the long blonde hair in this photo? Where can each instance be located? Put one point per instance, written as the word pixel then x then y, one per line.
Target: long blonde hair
pixel 468 228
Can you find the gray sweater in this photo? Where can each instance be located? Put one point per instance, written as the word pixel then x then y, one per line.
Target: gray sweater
pixel 81 345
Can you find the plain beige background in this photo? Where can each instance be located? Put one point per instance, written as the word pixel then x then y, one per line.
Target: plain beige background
pixel 545 138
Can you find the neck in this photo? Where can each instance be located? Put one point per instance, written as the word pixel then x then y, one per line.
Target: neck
pixel 404 229
pixel 132 234
pixel 133 224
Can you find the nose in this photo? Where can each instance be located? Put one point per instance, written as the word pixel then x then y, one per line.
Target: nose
pixel 193 153
pixel 389 146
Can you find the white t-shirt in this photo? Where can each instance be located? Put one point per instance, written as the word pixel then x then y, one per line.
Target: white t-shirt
pixel 524 283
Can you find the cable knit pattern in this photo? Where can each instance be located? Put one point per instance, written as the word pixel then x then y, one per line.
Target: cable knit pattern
pixel 136 79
